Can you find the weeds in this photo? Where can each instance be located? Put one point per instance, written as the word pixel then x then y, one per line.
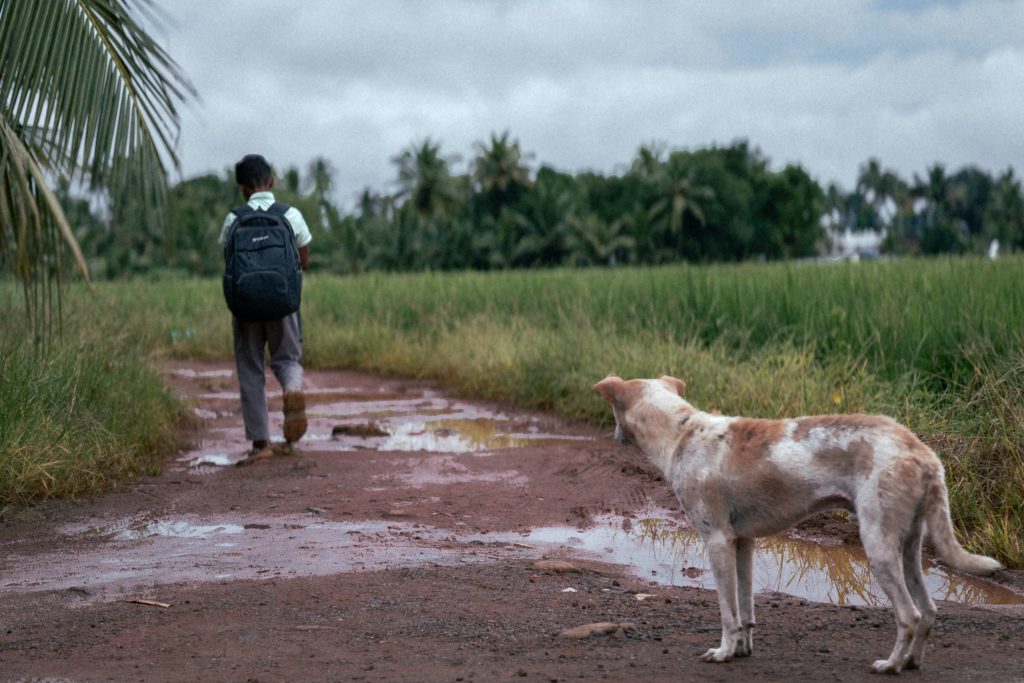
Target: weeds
pixel 85 417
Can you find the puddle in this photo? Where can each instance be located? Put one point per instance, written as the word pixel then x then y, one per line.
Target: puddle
pixel 134 553
pixel 437 470
pixel 463 436
pixel 662 552
pixel 177 529
pixel 347 421
pixel 216 459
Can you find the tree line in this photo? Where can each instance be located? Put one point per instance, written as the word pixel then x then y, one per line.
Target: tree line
pixel 720 203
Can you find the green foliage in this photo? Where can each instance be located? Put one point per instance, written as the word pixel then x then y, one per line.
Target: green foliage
pixel 86 94
pixel 88 415
pixel 719 204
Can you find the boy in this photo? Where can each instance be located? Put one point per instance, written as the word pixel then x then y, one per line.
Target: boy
pixel 283 337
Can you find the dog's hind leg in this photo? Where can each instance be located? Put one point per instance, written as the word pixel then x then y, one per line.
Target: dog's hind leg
pixel 722 552
pixel 914 576
pixel 745 593
pixel 887 566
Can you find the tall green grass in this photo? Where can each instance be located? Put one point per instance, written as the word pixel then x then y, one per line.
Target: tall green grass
pixel 935 343
pixel 86 415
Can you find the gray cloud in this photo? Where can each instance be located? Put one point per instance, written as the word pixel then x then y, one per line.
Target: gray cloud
pixel 583 83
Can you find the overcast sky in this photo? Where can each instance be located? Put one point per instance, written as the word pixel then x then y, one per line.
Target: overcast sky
pixel 581 84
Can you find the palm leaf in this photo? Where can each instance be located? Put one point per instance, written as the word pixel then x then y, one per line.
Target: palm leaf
pixel 87 94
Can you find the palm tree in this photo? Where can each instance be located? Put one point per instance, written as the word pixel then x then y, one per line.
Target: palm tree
pixel 934 191
pixel 1004 214
pixel 939 196
pixel 682 194
pixel 648 163
pixel 320 178
pixel 543 226
pixel 424 177
pixel 499 172
pixel 593 241
pixel 677 192
pixel 85 94
pixel 320 182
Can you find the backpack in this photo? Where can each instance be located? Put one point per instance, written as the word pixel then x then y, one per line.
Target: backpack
pixel 262 275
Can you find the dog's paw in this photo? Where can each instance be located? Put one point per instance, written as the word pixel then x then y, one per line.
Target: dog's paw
pixel 885 666
pixel 717 655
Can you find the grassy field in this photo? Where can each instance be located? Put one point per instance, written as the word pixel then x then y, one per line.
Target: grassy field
pixel 936 344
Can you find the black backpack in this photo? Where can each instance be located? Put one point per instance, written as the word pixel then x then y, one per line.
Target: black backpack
pixel 262 274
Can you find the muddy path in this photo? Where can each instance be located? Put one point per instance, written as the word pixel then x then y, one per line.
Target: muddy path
pixel 415 537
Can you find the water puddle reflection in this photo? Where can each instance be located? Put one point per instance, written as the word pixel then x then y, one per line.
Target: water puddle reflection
pixel 463 436
pixel 146 552
pixel 344 421
pixel 176 529
pixel 667 554
pixel 139 552
pixel 216 459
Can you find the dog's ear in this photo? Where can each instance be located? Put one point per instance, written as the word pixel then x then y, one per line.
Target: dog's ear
pixel 677 385
pixel 609 388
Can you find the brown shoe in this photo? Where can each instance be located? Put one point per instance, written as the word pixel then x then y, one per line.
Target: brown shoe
pixel 261 450
pixel 294 416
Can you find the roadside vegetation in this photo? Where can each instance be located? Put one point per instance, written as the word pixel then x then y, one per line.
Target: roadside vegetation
pixel 934 343
pixel 87 98
pixel 86 416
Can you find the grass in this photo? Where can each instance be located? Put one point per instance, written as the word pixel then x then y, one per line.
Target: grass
pixel 88 415
pixel 935 343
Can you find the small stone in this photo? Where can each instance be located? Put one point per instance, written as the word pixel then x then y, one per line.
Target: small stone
pixel 601 628
pixel 557 566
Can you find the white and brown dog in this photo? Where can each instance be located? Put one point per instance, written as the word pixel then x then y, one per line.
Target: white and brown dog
pixel 739 479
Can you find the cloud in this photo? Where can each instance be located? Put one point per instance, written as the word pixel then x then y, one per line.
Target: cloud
pixel 583 83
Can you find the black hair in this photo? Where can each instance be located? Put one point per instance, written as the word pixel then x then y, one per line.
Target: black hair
pixel 253 171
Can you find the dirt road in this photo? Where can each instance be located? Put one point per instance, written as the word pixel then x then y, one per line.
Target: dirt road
pixel 411 538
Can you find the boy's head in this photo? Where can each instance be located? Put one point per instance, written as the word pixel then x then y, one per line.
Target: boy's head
pixel 253 174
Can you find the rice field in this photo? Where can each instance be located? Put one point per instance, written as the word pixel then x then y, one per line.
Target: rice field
pixel 934 343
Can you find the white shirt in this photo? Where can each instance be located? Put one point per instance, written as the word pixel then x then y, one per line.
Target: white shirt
pixel 263 200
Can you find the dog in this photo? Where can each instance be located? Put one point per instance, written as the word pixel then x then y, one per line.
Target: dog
pixel 742 478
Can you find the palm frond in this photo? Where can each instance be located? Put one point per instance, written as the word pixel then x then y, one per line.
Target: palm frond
pixel 85 93
pixel 85 79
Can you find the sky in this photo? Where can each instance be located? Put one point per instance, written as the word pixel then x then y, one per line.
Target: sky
pixel 582 84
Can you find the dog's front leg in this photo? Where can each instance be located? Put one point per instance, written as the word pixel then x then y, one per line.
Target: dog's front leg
pixel 722 552
pixel 745 593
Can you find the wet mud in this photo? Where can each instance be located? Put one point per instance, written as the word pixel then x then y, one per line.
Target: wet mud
pixel 406 539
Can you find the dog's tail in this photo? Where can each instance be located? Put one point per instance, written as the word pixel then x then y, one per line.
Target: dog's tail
pixel 940 530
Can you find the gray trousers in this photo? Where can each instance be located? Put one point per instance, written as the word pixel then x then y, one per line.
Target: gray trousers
pixel 283 339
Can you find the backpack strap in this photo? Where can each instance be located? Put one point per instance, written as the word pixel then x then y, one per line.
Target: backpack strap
pixel 277 208
pixel 239 211
pixel 280 208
